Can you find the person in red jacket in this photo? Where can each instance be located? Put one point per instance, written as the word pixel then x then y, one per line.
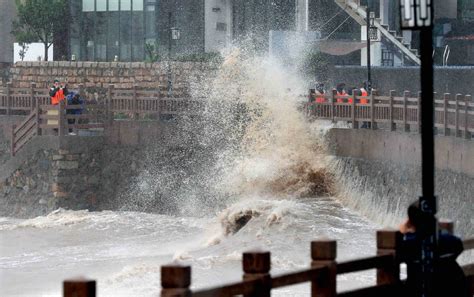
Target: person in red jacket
pixel 57 92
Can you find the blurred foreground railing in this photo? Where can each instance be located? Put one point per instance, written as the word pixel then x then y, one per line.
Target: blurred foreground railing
pixel 322 273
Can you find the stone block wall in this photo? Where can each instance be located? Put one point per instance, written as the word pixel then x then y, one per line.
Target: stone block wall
pixel 96 76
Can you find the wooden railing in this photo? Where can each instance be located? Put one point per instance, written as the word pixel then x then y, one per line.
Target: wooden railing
pixel 55 120
pixel 60 119
pixel 133 103
pixel 24 132
pixel 22 99
pixel 454 115
pixel 322 273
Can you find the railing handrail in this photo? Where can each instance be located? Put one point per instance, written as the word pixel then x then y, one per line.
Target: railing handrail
pixel 454 114
pixel 236 288
pixel 468 243
pixel 372 262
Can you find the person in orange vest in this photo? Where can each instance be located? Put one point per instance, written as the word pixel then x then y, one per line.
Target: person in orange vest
pixel 320 93
pixel 350 99
pixel 364 93
pixel 57 92
pixel 340 91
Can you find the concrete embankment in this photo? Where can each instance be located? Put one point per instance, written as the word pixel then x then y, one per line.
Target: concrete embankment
pixel 378 173
pixel 126 168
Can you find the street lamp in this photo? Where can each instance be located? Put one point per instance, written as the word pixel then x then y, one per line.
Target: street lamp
pixel 418 15
pixel 372 35
pixel 174 34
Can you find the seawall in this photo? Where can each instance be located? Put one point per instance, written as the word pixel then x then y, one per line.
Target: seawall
pixel 99 172
pixel 379 174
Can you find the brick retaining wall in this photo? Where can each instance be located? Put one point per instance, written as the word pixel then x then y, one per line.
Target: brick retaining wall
pixel 101 74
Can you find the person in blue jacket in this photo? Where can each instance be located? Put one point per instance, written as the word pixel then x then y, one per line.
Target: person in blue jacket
pixel 448 276
pixel 74 99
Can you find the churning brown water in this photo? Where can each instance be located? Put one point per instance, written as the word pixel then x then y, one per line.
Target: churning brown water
pixel 265 185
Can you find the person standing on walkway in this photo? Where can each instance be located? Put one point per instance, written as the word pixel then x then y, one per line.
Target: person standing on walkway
pixel 57 92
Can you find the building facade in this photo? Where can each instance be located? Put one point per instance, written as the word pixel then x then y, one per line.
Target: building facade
pixel 7 15
pixel 107 30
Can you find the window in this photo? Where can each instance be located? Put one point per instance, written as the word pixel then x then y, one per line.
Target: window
pixel 88 5
pixel 101 5
pixel 125 36
pixel 137 5
pixel 138 36
pixel 150 24
pixel 125 5
pixel 101 37
pixel 113 36
pixel 387 58
pixel 113 5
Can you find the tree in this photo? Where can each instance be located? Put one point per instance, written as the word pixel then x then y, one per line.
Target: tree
pixel 151 52
pixel 39 21
pixel 23 50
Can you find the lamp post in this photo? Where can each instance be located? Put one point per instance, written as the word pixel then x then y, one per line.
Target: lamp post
pixel 174 34
pixel 418 15
pixel 372 35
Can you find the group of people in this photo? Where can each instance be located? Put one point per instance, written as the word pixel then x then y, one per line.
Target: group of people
pixel 343 95
pixel 59 92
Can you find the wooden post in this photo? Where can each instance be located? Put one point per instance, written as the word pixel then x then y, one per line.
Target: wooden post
pixel 61 119
pixel 81 90
pixel 355 124
pixel 32 94
pixel 38 120
pixel 373 124
pixel 158 101
pixel 9 98
pixel 406 126
pixel 256 265
pixel 419 112
pixel 323 253
pixel 392 124
pixel 467 100
pixel 135 102
pixel 175 281
pixel 109 104
pixel 446 227
pixel 388 243
pixel 435 129
pixel 79 288
pixel 12 143
pixel 333 99
pixel 456 117
pixel 445 113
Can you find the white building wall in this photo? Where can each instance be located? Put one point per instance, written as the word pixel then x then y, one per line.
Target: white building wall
pixel 375 50
pixel 301 13
pixel 218 25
